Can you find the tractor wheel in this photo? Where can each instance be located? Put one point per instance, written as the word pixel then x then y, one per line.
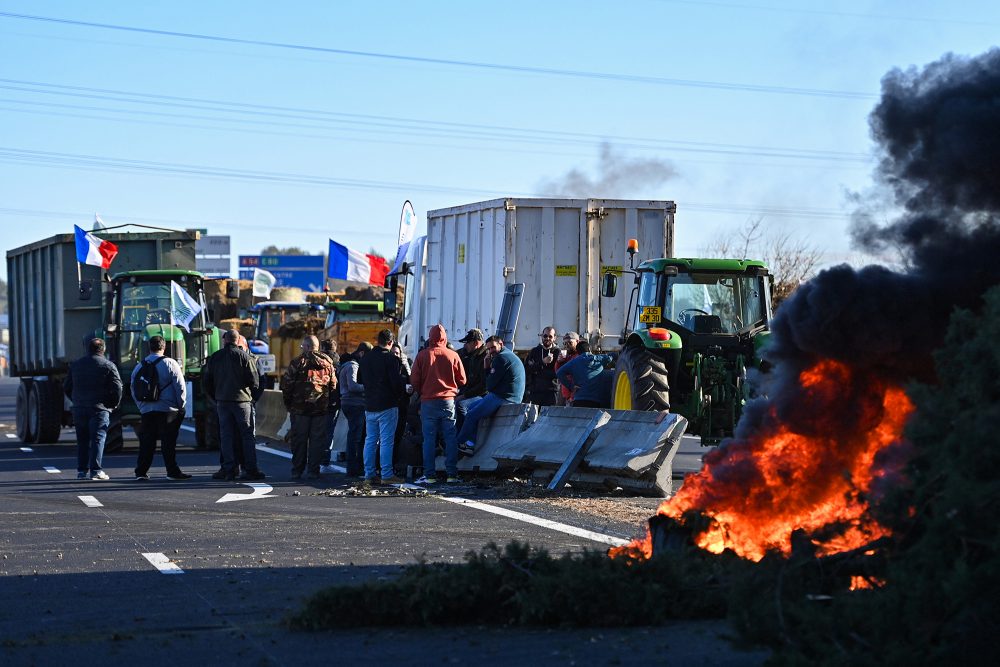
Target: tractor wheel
pixel 206 429
pixel 640 381
pixel 49 405
pixel 115 440
pixel 26 427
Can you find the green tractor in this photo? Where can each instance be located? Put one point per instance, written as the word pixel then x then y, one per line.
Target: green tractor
pixel 693 328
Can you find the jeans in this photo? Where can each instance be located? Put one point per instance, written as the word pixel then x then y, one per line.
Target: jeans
pixel 355 416
pixel 479 408
pixel 462 404
pixel 331 425
pixel 236 425
pixel 437 416
pixel 381 427
pixel 162 426
pixel 91 432
pixel 309 441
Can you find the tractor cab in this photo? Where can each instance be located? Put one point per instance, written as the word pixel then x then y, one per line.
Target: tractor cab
pixel 693 328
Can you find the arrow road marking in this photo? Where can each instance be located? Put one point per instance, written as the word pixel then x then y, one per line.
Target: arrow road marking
pixel 91 501
pixel 163 564
pixel 260 490
pixel 50 469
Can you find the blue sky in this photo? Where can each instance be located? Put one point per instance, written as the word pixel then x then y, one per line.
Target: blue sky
pixel 745 109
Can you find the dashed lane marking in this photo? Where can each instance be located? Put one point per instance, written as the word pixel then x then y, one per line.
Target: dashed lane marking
pixel 27 449
pixel 51 470
pixel 11 435
pixel 91 501
pixel 162 563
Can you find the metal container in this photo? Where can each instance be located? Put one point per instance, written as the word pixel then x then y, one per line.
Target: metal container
pixel 558 248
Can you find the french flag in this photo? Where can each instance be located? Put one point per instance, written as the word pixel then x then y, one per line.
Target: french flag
pixel 92 250
pixel 347 264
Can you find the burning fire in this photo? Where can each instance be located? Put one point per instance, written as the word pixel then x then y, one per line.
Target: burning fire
pixel 756 491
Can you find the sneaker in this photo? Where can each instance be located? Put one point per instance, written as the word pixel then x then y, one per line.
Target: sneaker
pixel 142 478
pixel 254 476
pixel 453 480
pixel 467 448
pixel 395 479
pixel 222 474
pixel 427 480
pixel 83 475
pixel 312 475
pixel 327 469
pixel 179 476
pixel 99 474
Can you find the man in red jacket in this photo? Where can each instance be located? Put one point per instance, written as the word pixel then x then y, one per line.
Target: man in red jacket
pixel 436 376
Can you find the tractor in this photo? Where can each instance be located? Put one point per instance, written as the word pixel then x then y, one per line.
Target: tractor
pixel 693 328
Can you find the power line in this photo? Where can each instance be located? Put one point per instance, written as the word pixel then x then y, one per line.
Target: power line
pixel 470 64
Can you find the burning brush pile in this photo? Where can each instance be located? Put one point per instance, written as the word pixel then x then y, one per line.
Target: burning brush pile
pixel 854 516
pixel 872 462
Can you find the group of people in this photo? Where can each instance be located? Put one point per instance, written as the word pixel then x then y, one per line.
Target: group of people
pixel 374 388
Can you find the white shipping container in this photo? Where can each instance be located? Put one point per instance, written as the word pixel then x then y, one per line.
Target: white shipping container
pixel 559 249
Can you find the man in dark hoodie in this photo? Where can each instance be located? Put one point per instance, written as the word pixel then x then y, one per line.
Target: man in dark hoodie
pixel 231 380
pixel 437 375
pixel 379 372
pixel 584 376
pixel 306 387
pixel 94 386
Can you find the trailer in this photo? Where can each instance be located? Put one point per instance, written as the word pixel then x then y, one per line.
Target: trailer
pixel 57 304
pixel 556 248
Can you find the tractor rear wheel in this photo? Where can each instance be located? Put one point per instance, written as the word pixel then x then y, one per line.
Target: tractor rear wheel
pixel 26 427
pixel 48 401
pixel 640 382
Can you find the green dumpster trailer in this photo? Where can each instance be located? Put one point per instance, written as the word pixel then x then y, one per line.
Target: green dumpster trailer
pixel 56 305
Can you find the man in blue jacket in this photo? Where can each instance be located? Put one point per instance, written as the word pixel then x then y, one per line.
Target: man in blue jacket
pixel 584 376
pixel 94 386
pixel 504 384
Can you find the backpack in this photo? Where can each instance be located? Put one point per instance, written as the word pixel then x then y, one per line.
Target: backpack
pixel 146 383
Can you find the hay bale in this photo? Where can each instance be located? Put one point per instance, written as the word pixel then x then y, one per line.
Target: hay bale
pixel 287 294
pixel 244 326
pixel 304 326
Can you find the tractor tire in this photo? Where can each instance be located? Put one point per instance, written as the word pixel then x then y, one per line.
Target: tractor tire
pixel 26 432
pixel 206 429
pixel 49 404
pixel 640 381
pixel 115 440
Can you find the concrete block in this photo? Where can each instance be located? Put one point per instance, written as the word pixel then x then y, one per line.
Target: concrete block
pixel 505 425
pixel 549 441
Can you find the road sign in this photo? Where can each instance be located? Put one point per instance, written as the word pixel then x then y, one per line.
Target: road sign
pixel 212 245
pixel 307 272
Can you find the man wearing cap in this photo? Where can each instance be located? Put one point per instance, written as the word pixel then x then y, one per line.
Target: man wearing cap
pixel 473 356
pixel 352 404
pixel 437 375
pixel 542 386
pixel 567 354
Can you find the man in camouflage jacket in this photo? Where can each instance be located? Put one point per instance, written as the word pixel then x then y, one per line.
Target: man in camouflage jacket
pixel 306 387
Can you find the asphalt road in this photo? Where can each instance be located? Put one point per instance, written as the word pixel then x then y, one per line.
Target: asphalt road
pixel 163 572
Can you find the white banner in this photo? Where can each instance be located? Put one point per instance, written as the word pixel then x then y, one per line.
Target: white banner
pixel 183 307
pixel 263 282
pixel 407 229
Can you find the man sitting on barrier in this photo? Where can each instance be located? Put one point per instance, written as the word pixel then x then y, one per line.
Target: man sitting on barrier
pixel 504 384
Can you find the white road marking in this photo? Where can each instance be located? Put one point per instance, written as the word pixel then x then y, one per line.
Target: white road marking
pixel 27 449
pixel 11 435
pixel 163 564
pixel 50 469
pixel 260 490
pixel 91 501
pixel 189 428
pixel 545 523
pixel 510 514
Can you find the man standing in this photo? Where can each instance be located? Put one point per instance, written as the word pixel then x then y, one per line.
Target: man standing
pixel 94 386
pixel 158 388
pixel 566 355
pixel 584 375
pixel 306 387
pixel 504 384
pixel 473 356
pixel 540 368
pixel 380 374
pixel 231 379
pixel 352 404
pixel 329 348
pixel 437 375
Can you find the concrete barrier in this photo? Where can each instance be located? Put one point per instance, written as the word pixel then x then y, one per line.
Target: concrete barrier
pixel 633 450
pixel 505 425
pixel 272 417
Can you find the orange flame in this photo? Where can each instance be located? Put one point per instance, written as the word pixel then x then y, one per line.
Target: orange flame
pixel 757 491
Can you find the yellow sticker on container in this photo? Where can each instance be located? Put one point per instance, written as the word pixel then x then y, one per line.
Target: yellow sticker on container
pixel 611 268
pixel 566 270
pixel 651 314
pixel 461 253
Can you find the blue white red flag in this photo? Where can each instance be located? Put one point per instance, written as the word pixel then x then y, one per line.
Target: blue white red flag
pixel 356 266
pixel 92 250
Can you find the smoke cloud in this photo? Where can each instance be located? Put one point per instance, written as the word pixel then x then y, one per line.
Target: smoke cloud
pixel 618 177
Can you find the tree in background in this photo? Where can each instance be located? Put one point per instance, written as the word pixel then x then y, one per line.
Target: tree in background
pixel 791 260
pixel 3 296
